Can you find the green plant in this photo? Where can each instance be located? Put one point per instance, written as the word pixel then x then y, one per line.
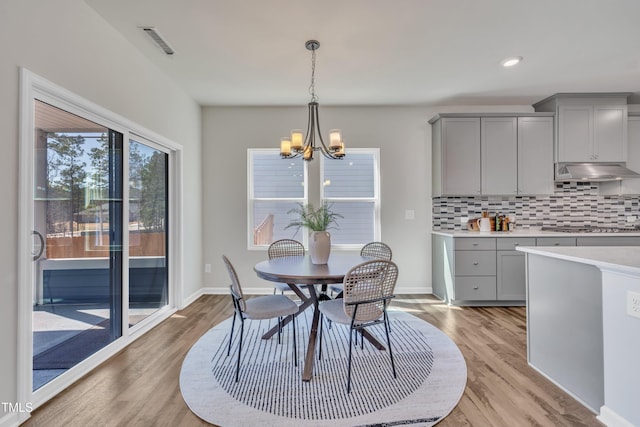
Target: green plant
pixel 320 219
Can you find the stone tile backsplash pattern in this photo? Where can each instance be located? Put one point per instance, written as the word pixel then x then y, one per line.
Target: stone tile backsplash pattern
pixel 574 204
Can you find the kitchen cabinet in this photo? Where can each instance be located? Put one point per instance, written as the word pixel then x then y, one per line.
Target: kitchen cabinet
pixel 510 268
pixel 589 127
pixel 479 271
pixel 608 241
pixel 535 155
pixel 493 154
pixel 632 185
pixel 499 155
pixel 555 241
pixel 456 154
pixel 488 270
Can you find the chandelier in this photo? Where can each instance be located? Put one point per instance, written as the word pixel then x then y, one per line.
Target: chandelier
pixel 295 145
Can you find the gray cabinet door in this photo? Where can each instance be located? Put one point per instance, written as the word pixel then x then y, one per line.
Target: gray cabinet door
pixel 511 280
pixel 555 241
pixel 535 155
pixel 460 156
pixel 632 186
pixel 610 133
pixel 499 155
pixel 608 241
pixel 575 133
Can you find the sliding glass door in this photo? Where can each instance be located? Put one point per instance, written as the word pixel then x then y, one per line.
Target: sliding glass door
pixel 78 232
pixel 148 219
pixel 86 285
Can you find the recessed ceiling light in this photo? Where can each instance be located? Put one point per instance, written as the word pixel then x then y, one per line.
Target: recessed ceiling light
pixel 511 61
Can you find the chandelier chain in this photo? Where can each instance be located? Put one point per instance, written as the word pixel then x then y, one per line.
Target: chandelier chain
pixel 312 87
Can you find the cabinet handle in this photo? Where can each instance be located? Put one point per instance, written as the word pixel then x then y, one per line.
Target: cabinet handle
pixel 475 262
pixel 516 244
pixel 556 244
pixel 475 244
pixel 475 287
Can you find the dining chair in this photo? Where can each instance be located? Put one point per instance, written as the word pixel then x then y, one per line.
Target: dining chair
pixel 368 289
pixel 258 308
pixel 283 248
pixel 377 250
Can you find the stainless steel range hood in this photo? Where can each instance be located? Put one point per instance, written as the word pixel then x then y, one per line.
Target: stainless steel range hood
pixel 593 172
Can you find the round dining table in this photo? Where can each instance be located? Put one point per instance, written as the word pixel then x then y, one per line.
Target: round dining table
pixel 298 271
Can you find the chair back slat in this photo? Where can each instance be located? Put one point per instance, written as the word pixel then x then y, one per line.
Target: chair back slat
pixel 377 250
pixel 371 280
pixel 236 289
pixel 285 247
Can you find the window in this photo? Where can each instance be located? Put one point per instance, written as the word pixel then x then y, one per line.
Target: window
pixel 275 187
pixel 352 186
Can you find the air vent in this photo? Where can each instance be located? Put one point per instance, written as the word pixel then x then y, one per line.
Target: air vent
pixel 158 39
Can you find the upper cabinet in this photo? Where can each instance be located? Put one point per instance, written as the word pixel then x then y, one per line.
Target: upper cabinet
pixel 456 156
pixel 535 155
pixel 492 154
pixel 589 127
pixel 499 155
pixel 628 186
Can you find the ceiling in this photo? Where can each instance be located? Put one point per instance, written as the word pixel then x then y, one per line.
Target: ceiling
pixel 382 52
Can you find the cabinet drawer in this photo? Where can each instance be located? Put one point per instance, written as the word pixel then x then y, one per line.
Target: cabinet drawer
pixel 473 288
pixel 475 244
pixel 609 241
pixel 511 243
pixel 555 241
pixel 475 263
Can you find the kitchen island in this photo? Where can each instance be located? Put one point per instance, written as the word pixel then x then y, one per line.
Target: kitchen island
pixel 583 329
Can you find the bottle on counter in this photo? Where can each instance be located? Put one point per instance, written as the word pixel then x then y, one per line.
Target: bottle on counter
pixel 498 222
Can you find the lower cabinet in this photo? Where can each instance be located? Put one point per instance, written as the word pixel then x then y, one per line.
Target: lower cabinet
pixel 510 264
pixel 479 271
pixel 489 270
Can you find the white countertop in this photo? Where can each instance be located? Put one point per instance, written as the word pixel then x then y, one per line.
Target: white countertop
pixel 622 259
pixel 527 232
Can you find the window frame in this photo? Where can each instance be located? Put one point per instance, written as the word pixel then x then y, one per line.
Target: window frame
pixel 375 199
pixel 251 199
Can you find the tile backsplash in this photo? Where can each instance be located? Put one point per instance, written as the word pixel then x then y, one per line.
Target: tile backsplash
pixel 574 203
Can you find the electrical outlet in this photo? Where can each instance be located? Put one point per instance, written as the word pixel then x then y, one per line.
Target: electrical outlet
pixel 409 214
pixel 633 304
pixel 207 268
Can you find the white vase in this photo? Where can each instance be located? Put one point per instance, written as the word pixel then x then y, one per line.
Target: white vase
pixel 319 246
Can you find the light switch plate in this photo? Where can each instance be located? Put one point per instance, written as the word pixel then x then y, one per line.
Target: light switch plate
pixel 633 304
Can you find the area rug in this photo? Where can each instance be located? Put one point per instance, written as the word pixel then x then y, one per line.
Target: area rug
pixel 431 377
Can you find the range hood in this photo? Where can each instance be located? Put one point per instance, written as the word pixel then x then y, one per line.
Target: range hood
pixel 593 172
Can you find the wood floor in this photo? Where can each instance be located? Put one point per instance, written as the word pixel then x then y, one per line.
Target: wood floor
pixel 139 386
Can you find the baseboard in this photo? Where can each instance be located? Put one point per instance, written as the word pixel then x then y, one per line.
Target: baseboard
pixel 266 290
pixel 610 418
pixel 11 419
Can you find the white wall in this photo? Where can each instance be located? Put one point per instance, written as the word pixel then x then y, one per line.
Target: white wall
pixel 67 43
pixel 403 136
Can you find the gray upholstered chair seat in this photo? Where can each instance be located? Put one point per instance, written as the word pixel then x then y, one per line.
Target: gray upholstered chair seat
pixel 269 306
pixel 334 311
